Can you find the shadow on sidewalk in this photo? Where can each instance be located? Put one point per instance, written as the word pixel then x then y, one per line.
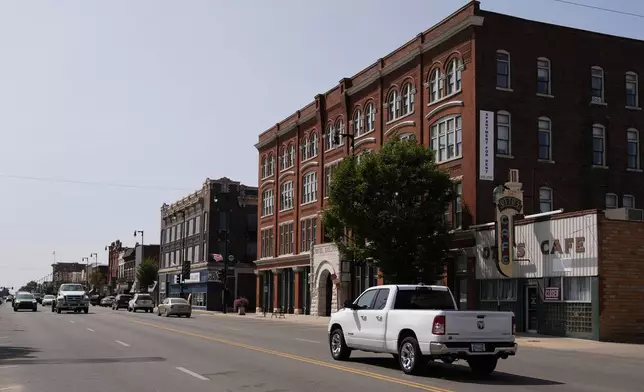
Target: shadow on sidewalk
pixel 459 373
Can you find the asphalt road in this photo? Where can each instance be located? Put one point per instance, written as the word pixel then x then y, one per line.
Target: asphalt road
pixel 111 351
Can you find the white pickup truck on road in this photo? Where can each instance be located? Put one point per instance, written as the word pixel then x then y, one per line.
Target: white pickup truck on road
pixel 418 323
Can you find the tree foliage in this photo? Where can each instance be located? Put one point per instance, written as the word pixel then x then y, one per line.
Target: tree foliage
pixel 389 206
pixel 30 287
pixel 97 279
pixel 146 274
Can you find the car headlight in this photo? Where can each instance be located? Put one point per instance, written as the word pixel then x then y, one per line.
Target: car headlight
pixel 86 298
pixel 33 300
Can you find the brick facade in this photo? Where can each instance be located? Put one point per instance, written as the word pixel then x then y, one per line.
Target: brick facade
pixel 621 281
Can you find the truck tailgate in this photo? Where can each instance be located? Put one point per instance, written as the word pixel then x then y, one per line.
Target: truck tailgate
pixel 478 326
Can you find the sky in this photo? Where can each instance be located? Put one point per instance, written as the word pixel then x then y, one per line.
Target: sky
pixel 108 109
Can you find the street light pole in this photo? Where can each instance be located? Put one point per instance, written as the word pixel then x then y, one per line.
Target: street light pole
pixel 140 232
pixel 86 260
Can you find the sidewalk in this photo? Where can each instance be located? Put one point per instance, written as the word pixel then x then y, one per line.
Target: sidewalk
pixel 524 340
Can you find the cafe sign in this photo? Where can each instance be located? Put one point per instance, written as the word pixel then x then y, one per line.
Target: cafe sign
pixel 509 202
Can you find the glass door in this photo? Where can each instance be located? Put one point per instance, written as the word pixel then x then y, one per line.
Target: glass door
pixel 532 295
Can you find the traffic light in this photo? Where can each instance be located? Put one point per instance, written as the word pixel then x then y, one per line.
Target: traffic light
pixel 185 270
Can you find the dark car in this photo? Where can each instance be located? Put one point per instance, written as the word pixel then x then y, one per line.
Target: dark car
pixel 121 301
pixel 95 299
pixel 38 297
pixel 25 301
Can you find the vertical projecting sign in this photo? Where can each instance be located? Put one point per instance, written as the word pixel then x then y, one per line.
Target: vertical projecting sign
pixel 509 202
pixel 486 146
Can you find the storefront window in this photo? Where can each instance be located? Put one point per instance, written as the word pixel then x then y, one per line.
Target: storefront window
pixel 198 299
pixel 577 289
pixel 499 290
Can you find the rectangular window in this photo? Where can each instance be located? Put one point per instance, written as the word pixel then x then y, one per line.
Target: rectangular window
pixel 286 238
pixel 267 202
pixel 545 146
pixel 266 236
pixel 198 225
pixel 599 141
pixel 286 196
pixel 328 177
pixel 543 76
pixel 611 201
pixel 503 133
pixel 499 290
pixel 502 70
pixel 309 187
pixel 308 229
pixel 545 199
pixel 457 208
pixel 628 201
pixel 196 258
pixel 597 84
pixel 447 138
pixel 577 289
pixel 631 90
pixel 633 149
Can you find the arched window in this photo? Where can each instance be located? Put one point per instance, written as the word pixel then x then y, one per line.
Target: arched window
pixel 264 167
pixel 271 164
pixel 453 76
pixel 632 96
pixel 291 155
pixel 304 146
pixel 599 145
pixel 597 84
pixel 543 76
pixel 313 145
pixel 339 129
pixel 329 135
pixel 393 108
pixel 407 99
pixel 358 125
pixel 370 111
pixel 434 85
pixel 503 69
pixel 283 158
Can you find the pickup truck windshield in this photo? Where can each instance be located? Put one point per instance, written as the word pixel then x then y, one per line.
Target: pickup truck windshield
pixel 71 287
pixel 424 300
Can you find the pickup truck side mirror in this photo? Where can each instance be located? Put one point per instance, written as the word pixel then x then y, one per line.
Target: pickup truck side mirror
pixel 350 305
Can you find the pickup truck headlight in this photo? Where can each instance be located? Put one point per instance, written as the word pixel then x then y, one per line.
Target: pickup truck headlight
pixel 86 298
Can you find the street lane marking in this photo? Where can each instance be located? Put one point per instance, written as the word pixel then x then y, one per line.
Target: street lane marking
pixel 298 358
pixel 306 340
pixel 122 343
pixel 8 366
pixel 89 329
pixel 11 387
pixel 193 374
pixel 72 321
pixel 4 337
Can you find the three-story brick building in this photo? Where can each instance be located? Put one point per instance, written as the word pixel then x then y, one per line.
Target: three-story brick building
pixel 487 92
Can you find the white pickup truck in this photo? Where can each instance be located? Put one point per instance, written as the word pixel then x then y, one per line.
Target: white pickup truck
pixel 417 323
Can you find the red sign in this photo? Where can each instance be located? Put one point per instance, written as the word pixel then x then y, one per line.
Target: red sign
pixel 551 294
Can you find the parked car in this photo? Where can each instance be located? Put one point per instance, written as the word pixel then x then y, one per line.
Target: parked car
pixel 174 307
pixel 121 301
pixel 417 323
pixel 48 300
pixel 24 300
pixel 107 301
pixel 141 301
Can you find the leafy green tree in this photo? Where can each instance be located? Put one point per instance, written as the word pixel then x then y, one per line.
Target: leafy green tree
pixel 389 206
pixel 31 286
pixel 97 279
pixel 146 274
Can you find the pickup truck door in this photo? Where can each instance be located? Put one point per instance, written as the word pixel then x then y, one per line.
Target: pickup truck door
pixel 374 322
pixel 355 328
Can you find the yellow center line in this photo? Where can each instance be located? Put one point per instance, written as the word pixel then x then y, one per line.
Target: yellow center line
pixel 365 373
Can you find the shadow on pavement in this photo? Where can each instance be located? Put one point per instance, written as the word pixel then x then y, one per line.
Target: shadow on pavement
pixel 460 373
pixel 15 352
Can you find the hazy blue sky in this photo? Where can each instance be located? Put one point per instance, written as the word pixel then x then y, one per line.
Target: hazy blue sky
pixel 162 94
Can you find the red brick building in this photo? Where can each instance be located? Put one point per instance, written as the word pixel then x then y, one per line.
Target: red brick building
pixel 566 115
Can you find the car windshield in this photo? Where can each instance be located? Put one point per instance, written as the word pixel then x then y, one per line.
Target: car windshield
pixel 25 296
pixel 48 297
pixel 178 301
pixel 71 287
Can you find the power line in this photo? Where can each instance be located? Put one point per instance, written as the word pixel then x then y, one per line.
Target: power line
pixel 95 183
pixel 599 8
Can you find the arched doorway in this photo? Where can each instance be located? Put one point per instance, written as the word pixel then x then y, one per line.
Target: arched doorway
pixel 329 295
pixel 325 293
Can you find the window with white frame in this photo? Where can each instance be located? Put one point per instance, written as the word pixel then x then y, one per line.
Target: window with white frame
pixel 313 145
pixel 370 117
pixel 545 199
pixel 340 130
pixel 286 196
pixel 358 124
pixel 363 153
pixel 407 99
pixel 577 289
pixel 597 84
pixel 304 147
pixel 498 290
pixel 393 105
pixel 329 138
pixel 633 149
pixel 632 97
pixel 407 136
pixel 286 238
pixel 328 176
pixel 268 201
pixel 283 158
pixel 434 85
pixel 309 187
pixel 271 164
pixel 447 138
pixel 599 145
pixel 545 138
pixel 264 167
pixel 611 201
pixel 628 201
pixel 503 133
pixel 543 76
pixel 266 243
pixel 290 158
pixel 453 76
pixel 502 69
pixel 308 229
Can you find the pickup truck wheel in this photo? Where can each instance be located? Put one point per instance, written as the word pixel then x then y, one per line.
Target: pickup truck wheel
pixel 409 356
pixel 483 366
pixel 58 310
pixel 53 308
pixel 339 349
pixel 86 310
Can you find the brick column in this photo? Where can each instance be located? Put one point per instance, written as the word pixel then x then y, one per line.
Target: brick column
pixel 297 307
pixel 276 285
pixel 259 290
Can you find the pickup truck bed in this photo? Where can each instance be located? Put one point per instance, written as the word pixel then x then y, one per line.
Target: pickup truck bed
pixel 417 323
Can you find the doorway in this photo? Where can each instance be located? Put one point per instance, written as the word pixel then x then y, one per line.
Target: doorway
pixel 531 301
pixel 329 295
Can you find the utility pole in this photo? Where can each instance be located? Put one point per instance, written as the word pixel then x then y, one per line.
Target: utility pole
pixel 225 231
pixel 183 251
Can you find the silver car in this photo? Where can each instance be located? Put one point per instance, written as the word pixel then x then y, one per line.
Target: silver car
pixel 48 300
pixel 174 306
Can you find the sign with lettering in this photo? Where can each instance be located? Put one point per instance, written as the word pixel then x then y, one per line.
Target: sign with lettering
pixel 486 145
pixel 509 202
pixel 552 294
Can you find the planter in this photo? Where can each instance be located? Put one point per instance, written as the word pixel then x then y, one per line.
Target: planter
pixel 241 310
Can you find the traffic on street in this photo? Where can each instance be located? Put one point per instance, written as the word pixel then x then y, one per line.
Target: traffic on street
pixel 108 350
